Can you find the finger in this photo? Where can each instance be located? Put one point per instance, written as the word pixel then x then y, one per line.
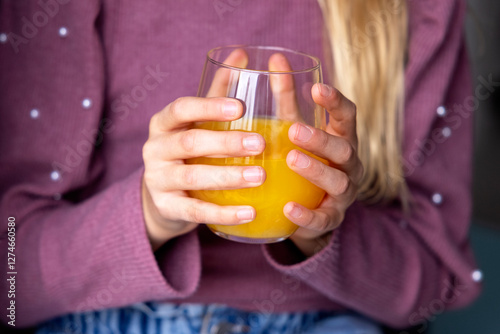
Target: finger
pixel 337 150
pixel 334 181
pixel 207 177
pixel 196 211
pixel 220 86
pixel 318 220
pixel 341 110
pixel 205 143
pixel 283 89
pixel 186 110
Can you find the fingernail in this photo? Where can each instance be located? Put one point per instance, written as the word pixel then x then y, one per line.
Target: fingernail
pixel 245 215
pixel 230 109
pixel 301 160
pixel 325 90
pixel 253 174
pixel 303 133
pixel 252 143
pixel 295 212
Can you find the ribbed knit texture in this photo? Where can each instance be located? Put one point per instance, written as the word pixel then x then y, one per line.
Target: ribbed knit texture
pixel 89 249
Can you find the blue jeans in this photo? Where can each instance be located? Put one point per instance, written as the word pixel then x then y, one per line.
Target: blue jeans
pixel 167 318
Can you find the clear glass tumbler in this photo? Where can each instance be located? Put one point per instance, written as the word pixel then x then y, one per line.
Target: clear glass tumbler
pixel 275 86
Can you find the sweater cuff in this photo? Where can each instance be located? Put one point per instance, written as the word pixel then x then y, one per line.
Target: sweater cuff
pixel 287 258
pixel 127 258
pixel 175 268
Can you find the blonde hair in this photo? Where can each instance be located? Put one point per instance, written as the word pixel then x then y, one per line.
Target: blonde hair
pixel 368 42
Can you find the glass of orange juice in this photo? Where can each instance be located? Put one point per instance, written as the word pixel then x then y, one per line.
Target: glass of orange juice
pixel 275 86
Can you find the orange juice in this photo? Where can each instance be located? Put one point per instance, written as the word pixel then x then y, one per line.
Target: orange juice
pixel 282 185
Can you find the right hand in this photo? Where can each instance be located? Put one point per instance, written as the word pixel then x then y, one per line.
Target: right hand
pixel 168 210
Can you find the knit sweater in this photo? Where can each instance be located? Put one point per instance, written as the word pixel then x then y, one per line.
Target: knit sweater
pixel 79 83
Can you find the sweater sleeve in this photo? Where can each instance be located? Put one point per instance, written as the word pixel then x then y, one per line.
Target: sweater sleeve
pixel 398 268
pixel 75 250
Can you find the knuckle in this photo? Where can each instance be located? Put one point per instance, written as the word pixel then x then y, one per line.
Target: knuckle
pixel 321 170
pixel 323 222
pixel 176 108
pixel 188 175
pixel 231 143
pixel 350 109
pixel 205 106
pixel 318 222
pixel 345 153
pixel 323 138
pixel 309 223
pixel 196 214
pixel 360 172
pixel 218 178
pixel 163 209
pixel 154 121
pixel 225 216
pixel 148 178
pixel 224 177
pixel 336 98
pixel 342 185
pixel 187 140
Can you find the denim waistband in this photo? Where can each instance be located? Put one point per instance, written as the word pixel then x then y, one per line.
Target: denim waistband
pixel 167 318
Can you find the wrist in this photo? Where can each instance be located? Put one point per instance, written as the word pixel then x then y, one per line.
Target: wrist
pixel 151 214
pixel 311 246
pixel 157 227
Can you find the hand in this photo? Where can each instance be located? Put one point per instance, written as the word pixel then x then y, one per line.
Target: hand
pixel 338 145
pixel 340 179
pixel 168 210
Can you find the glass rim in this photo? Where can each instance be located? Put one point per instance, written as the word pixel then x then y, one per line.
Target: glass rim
pixel 276 48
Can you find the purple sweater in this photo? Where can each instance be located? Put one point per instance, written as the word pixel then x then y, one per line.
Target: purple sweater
pixel 75 72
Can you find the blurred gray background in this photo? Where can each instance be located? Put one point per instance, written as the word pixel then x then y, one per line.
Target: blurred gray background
pixel 483 34
pixel 483 317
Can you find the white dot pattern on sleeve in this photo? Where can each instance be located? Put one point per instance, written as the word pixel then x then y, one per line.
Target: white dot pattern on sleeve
pixel 477 275
pixel 63 31
pixel 441 111
pixel 87 103
pixel 437 198
pixel 34 113
pixel 446 132
pixel 55 175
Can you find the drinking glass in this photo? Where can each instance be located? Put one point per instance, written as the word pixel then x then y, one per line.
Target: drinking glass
pixel 275 86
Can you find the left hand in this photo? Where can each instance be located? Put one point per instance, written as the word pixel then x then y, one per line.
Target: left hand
pixel 338 144
pixel 340 179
